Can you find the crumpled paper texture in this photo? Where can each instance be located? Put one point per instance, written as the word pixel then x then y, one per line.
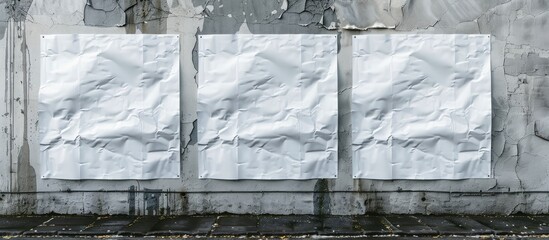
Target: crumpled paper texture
pixel 421 106
pixel 267 106
pixel 109 106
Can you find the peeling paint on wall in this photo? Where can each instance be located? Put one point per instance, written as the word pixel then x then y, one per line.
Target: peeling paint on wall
pixel 104 13
pixel 13 10
pixel 135 15
pixel 364 15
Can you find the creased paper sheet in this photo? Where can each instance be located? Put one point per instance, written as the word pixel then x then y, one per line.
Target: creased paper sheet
pixel 267 106
pixel 421 106
pixel 109 106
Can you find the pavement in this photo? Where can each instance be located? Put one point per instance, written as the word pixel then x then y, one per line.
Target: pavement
pixel 275 226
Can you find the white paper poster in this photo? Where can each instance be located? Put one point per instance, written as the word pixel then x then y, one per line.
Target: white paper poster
pixel 109 106
pixel 267 106
pixel 421 106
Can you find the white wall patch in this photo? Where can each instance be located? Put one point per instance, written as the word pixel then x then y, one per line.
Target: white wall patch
pixel 267 106
pixel 109 106
pixel 421 106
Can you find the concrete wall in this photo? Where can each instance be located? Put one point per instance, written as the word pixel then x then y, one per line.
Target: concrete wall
pixel 520 91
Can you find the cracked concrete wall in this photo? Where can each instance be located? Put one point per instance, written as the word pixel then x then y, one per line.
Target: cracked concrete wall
pixel 520 92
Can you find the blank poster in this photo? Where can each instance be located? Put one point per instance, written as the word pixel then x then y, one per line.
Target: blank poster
pixel 421 106
pixel 109 106
pixel 267 106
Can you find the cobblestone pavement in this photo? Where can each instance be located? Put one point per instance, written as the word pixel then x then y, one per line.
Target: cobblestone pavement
pixel 298 226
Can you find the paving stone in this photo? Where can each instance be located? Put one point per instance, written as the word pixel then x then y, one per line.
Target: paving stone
pixel 236 225
pixel 373 225
pixel 15 225
pixel 542 219
pixel 60 225
pixel 71 220
pixel 512 224
pixel 336 225
pixel 50 237
pixel 115 221
pixel 198 225
pixel 140 226
pixel 102 230
pixel 109 225
pixel 474 226
pixel 282 225
pixel 454 225
pixel 410 225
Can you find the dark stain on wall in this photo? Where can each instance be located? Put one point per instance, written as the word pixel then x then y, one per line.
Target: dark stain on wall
pixel 131 201
pixel 321 198
pixel 372 203
pixel 151 199
pixel 184 203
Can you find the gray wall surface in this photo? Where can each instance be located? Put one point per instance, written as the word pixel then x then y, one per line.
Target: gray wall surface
pixel 520 95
